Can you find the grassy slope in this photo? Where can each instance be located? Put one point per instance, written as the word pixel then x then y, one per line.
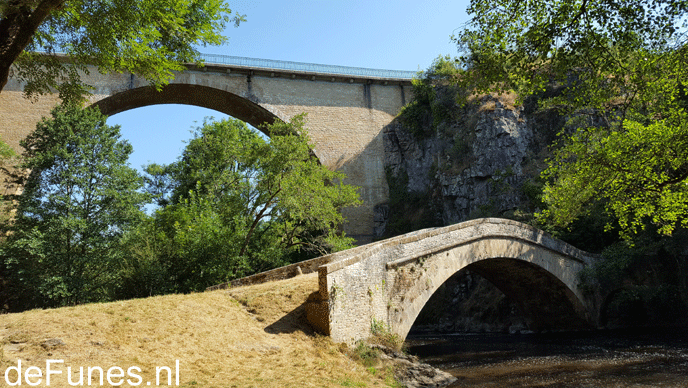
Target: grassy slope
pixel 248 337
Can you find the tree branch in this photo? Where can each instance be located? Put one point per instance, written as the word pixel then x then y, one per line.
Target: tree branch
pixel 256 221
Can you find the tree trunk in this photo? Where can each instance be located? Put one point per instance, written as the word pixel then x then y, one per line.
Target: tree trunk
pixel 17 28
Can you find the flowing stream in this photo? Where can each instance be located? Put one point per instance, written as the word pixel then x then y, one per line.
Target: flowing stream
pixel 656 357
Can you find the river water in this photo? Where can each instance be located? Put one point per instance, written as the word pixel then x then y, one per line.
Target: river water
pixel 600 359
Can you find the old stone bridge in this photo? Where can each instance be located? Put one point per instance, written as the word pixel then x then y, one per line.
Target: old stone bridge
pixel 347 109
pixel 390 281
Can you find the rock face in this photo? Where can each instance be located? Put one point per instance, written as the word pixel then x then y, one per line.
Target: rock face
pixel 496 170
pixel 479 161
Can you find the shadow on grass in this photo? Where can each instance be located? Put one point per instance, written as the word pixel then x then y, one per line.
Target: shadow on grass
pixel 294 321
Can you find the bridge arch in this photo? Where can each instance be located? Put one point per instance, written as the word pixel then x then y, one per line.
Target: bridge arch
pixel 392 280
pixel 542 297
pixel 189 94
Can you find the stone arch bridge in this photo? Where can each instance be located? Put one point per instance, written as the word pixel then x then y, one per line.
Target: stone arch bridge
pixel 347 109
pixel 390 281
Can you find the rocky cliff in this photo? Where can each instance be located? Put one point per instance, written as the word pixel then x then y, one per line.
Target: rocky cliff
pixel 481 162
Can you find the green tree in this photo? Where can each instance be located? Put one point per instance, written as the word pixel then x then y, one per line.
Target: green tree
pixel 618 70
pixel 79 197
pixel 428 107
pixel 239 204
pixel 151 38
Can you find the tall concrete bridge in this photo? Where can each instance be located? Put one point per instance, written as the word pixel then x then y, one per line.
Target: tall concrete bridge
pixel 347 109
pixel 390 281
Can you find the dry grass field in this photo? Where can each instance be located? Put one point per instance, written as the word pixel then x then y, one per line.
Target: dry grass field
pixel 245 337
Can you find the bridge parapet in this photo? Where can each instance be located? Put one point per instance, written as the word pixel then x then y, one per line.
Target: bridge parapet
pixel 304 267
pixel 414 245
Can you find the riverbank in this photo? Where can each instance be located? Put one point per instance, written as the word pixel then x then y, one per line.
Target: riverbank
pixel 245 337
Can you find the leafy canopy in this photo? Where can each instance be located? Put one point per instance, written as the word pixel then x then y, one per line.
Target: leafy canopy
pixel 150 38
pixel 618 70
pixel 528 45
pixel 236 204
pixel 79 197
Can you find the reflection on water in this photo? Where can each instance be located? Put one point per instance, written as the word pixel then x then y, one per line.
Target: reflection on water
pixel 647 358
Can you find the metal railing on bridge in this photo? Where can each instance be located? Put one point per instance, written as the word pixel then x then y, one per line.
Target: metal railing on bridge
pixel 270 64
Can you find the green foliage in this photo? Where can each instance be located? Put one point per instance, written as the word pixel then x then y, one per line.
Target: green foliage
pixel 589 232
pixel 366 355
pixel 532 190
pixel 645 305
pixel 429 107
pixel 370 357
pixel 461 150
pixel 383 336
pixel 627 308
pixel 206 246
pixel 6 153
pixel 150 38
pixel 236 204
pixel 8 160
pixel 639 171
pixel 607 46
pixel 644 279
pixel 78 199
pixel 620 68
pixel 141 272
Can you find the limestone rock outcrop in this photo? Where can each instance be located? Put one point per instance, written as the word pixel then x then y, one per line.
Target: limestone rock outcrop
pixel 477 164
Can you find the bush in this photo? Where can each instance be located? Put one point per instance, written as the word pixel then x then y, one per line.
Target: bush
pixel 434 98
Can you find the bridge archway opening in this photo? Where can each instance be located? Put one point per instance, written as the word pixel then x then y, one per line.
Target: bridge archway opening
pixel 543 302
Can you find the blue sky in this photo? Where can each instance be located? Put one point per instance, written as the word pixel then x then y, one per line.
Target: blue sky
pixel 395 35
